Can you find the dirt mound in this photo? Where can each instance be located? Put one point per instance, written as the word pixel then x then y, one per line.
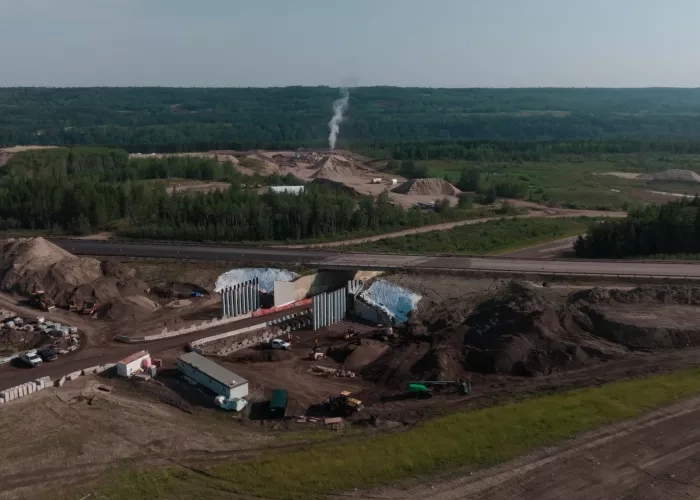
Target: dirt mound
pixel 260 356
pixel 676 174
pixel 330 183
pixel 30 263
pixel 680 295
pixel 27 264
pixel 650 317
pixel 334 166
pixel 128 308
pixel 357 355
pixel 432 187
pixel 518 332
pixel 176 304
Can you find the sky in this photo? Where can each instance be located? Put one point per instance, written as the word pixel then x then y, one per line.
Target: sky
pixel 423 43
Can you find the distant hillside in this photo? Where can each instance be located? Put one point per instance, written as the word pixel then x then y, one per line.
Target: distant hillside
pixel 179 119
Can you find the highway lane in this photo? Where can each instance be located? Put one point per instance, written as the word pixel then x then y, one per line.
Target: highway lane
pixel 187 251
pixel 335 260
pixel 15 373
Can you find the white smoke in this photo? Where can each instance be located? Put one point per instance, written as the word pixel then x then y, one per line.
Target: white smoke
pixel 339 107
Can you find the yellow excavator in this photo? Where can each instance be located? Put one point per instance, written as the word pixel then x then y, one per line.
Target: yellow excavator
pixel 343 405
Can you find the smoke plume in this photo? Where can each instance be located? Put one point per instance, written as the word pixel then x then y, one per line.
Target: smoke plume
pixel 339 107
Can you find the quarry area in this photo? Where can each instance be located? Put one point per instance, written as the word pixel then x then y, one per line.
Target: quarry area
pixel 297 351
pixel 348 172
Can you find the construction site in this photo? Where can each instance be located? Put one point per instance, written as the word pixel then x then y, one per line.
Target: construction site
pixel 172 365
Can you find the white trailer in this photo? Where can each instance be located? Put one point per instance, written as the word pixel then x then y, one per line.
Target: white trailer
pixel 133 364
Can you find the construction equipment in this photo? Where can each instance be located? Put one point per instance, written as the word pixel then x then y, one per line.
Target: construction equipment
pixel 91 307
pixel 343 405
pixel 426 388
pixel 350 334
pixel 40 300
pixel 384 333
pixel 73 306
pixel 315 354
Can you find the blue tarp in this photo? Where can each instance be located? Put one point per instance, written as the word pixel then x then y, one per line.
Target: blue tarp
pixel 266 277
pixel 395 300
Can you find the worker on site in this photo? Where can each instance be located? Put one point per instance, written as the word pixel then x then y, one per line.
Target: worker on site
pixel 289 337
pixel 316 342
pixel 298 339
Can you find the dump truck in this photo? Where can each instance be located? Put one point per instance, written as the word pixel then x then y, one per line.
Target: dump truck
pixel 40 300
pixel 343 405
pixel 426 388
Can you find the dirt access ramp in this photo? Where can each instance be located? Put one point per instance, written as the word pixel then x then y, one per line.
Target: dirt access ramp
pixel 654 457
pixel 7 153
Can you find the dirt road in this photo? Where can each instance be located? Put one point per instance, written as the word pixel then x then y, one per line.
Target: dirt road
pixel 540 212
pixel 15 373
pixel 544 250
pixel 656 456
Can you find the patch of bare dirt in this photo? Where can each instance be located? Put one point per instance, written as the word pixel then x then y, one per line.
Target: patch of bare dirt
pixel 260 356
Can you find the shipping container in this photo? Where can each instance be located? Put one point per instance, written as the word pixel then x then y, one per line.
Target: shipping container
pixel 278 403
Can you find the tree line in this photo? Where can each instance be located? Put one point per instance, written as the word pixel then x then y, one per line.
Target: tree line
pixel 86 190
pixel 494 150
pixel 672 228
pixel 178 120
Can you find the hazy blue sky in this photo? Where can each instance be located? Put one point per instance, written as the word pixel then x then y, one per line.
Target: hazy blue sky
pixel 451 43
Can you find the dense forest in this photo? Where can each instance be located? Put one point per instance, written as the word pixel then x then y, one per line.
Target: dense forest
pixel 188 119
pixel 492 150
pixel 672 228
pixel 83 190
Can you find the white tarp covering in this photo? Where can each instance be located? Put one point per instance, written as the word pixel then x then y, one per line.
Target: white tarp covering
pixel 393 299
pixel 266 277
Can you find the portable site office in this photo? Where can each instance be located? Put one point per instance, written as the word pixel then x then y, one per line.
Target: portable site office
pixel 212 376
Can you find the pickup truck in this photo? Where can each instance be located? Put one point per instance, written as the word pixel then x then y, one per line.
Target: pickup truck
pixel 31 358
pixel 280 344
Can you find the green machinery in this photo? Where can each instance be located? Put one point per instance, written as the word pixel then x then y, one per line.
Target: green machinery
pixel 426 388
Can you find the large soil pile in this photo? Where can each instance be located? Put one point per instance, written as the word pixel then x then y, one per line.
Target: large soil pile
pixel 27 264
pixel 423 187
pixel 521 332
pixel 335 166
pixel 128 308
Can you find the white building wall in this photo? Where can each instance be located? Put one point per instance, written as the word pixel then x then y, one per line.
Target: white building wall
pixel 128 369
pixel 239 392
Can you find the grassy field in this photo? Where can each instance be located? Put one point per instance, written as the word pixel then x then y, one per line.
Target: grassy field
pixel 578 183
pixel 491 237
pixel 459 442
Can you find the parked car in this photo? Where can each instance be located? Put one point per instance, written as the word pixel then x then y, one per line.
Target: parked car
pixel 280 344
pixel 31 358
pixel 48 354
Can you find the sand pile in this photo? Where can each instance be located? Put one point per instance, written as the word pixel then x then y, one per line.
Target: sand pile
pixel 128 308
pixel 675 174
pixel 30 263
pixel 335 166
pixel 431 187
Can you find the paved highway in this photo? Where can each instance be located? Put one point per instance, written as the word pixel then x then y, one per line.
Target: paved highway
pixel 334 260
